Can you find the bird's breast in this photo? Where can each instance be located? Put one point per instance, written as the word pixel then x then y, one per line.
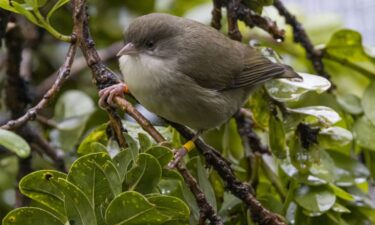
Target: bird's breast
pixel 162 89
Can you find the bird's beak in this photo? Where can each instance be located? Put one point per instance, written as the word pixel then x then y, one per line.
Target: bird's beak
pixel 128 49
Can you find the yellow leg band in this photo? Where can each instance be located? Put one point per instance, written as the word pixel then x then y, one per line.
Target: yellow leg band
pixel 189 146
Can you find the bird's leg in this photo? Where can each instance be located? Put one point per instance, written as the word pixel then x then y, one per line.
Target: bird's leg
pixel 181 152
pixel 107 95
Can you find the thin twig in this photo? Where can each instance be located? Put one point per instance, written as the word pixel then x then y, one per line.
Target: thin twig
pixel 248 136
pixel 301 37
pixel 206 210
pixel 63 75
pixel 237 10
pixel 78 65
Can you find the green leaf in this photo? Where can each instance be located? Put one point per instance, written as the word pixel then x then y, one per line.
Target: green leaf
pixel 130 208
pixel 170 206
pixel 122 161
pixel 285 90
pixel 339 192
pixel 364 133
pixel 96 135
pixel 145 175
pixel 40 187
pixel 78 208
pixel 348 171
pixel 199 172
pixel 14 143
pixel 31 216
pixel 347 45
pixel 132 146
pixel 277 137
pixel 36 3
pixel 20 9
pixel 315 199
pixel 325 114
pixel 162 154
pixel 58 5
pixel 231 141
pixel 334 137
pixel 96 175
pixel 144 142
pixel 350 103
pixel 368 102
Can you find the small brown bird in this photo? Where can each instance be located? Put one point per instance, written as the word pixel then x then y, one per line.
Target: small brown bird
pixel 189 73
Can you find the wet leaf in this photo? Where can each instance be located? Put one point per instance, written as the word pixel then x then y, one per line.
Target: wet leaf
pixel 14 143
pixel 325 114
pixel 332 137
pixel 285 90
pixel 315 199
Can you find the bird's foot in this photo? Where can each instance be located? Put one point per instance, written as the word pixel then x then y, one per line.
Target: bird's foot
pixel 180 153
pixel 107 95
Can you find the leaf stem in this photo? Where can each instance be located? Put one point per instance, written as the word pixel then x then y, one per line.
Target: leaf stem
pixel 50 29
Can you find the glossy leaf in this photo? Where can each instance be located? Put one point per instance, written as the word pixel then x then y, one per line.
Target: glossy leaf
pixel 285 90
pixel 133 208
pixel 324 114
pixel 334 137
pixel 14 143
pixel 40 187
pixel 96 175
pixel 144 142
pixel 77 206
pixel 145 175
pixel 162 154
pixel 122 161
pixel 315 199
pixel 96 135
pixel 170 206
pixel 347 44
pixel 31 216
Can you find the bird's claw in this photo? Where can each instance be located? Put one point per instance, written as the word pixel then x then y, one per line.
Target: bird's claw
pixel 107 95
pixel 178 155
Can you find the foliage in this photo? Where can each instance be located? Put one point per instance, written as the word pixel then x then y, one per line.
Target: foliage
pixel 320 172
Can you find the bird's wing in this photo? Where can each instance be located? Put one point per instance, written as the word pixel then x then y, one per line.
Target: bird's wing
pixel 258 69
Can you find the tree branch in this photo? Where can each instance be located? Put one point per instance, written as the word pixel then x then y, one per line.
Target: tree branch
pixel 63 75
pixel 236 10
pixel 102 76
pixel 300 36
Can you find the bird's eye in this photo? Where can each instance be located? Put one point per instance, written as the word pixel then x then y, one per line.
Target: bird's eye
pixel 150 44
